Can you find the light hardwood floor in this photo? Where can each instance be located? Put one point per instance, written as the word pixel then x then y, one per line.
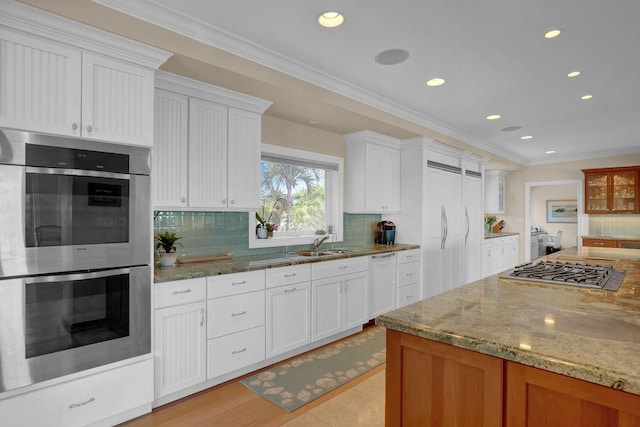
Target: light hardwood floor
pixel 360 402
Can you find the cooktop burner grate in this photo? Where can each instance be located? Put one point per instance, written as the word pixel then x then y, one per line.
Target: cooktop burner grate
pixel 582 275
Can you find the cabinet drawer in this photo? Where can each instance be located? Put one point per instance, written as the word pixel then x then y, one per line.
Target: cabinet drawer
pixel 235 351
pixel 408 256
pixel 408 273
pixel 235 313
pixel 180 292
pixel 233 284
pixel 82 401
pixel 600 243
pixel 288 275
pixel 408 294
pixel 320 270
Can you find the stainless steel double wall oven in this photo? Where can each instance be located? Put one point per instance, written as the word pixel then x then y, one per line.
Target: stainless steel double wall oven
pixel 75 274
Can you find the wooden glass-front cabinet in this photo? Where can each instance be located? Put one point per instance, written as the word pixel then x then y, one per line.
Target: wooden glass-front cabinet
pixel 611 190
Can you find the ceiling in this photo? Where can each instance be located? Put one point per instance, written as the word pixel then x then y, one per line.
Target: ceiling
pixel 492 53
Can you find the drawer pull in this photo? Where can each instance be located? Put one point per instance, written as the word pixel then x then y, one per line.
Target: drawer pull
pixel 238 314
pixel 286 291
pixel 409 297
pixel 202 317
pixel 238 283
pixel 186 291
pixel 409 274
pixel 290 275
pixel 78 405
pixel 343 267
pixel 239 351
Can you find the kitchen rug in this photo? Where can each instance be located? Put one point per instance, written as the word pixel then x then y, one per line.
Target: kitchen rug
pixel 298 381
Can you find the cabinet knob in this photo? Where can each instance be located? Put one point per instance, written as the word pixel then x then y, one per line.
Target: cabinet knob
pixel 74 126
pixel 183 200
pixel 224 201
pixel 89 129
pixel 232 201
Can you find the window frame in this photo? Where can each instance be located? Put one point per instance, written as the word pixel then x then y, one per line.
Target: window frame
pixel 334 186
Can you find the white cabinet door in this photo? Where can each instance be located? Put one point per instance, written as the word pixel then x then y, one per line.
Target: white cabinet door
pixel 117 101
pixel 382 283
pixel 288 315
pixel 40 85
pixel 473 232
pixel 326 308
pixel 382 183
pixel 207 154
pixel 180 347
pixel 169 169
pixel 354 299
pixel 243 159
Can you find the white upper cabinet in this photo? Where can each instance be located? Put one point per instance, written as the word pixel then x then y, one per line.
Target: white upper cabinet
pixel 207 154
pixel 117 101
pixel 59 77
pixel 208 139
pixel 373 173
pixel 33 73
pixel 494 191
pixel 169 158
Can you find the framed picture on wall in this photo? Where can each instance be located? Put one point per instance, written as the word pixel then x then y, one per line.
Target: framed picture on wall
pixel 562 211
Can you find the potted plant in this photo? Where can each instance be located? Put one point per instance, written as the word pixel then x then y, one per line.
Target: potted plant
pixel 265 228
pixel 167 241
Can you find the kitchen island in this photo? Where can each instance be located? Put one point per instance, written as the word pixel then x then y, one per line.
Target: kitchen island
pixel 509 352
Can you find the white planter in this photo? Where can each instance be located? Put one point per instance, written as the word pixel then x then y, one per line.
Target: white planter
pixel 168 259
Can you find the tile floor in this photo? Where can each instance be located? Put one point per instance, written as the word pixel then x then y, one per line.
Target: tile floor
pixel 361 405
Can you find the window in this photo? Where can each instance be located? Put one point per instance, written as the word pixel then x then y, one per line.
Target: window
pixel 301 197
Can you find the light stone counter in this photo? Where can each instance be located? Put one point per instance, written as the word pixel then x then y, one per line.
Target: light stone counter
pixel 263 261
pixel 582 333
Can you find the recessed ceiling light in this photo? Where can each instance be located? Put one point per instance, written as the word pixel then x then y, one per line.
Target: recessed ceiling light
pixel 314 122
pixel 573 74
pixel 392 56
pixel 526 137
pixel 438 81
pixel 493 116
pixel 511 128
pixel 585 97
pixel 330 19
pixel 551 34
pixel 550 152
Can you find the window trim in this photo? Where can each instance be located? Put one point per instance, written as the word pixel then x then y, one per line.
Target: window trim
pixel 334 198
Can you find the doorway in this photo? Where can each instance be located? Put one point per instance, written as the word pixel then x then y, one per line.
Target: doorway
pixel 528 188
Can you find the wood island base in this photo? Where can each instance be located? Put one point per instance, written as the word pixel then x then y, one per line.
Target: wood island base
pixel 429 383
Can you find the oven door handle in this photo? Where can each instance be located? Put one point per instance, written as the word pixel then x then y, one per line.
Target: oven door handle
pixel 77 172
pixel 77 276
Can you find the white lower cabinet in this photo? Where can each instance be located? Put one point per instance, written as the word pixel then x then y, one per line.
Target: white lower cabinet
pixel 408 290
pixel 235 322
pixel 94 399
pixel 180 335
pixel 499 254
pixel 288 309
pixel 339 296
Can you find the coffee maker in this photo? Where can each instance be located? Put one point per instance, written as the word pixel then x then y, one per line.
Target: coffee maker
pixel 385 233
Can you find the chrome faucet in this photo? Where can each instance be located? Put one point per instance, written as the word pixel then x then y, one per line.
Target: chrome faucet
pixel 318 242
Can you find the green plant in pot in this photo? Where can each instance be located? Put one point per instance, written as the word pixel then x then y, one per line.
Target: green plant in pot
pixel 167 241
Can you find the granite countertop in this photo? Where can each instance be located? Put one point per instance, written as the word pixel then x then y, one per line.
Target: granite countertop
pixel 261 262
pixel 588 334
pixel 605 237
pixel 502 234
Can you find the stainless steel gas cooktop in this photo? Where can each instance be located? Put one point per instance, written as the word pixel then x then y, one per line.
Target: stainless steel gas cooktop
pixel 565 273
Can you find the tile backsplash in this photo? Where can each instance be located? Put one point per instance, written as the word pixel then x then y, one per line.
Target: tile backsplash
pixel 614 225
pixel 210 233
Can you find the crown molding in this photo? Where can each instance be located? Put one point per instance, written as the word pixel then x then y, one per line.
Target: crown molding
pixel 370 136
pixel 45 25
pixel 198 89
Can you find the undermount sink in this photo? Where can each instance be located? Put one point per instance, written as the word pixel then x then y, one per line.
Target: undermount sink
pixel 312 253
pixel 324 252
